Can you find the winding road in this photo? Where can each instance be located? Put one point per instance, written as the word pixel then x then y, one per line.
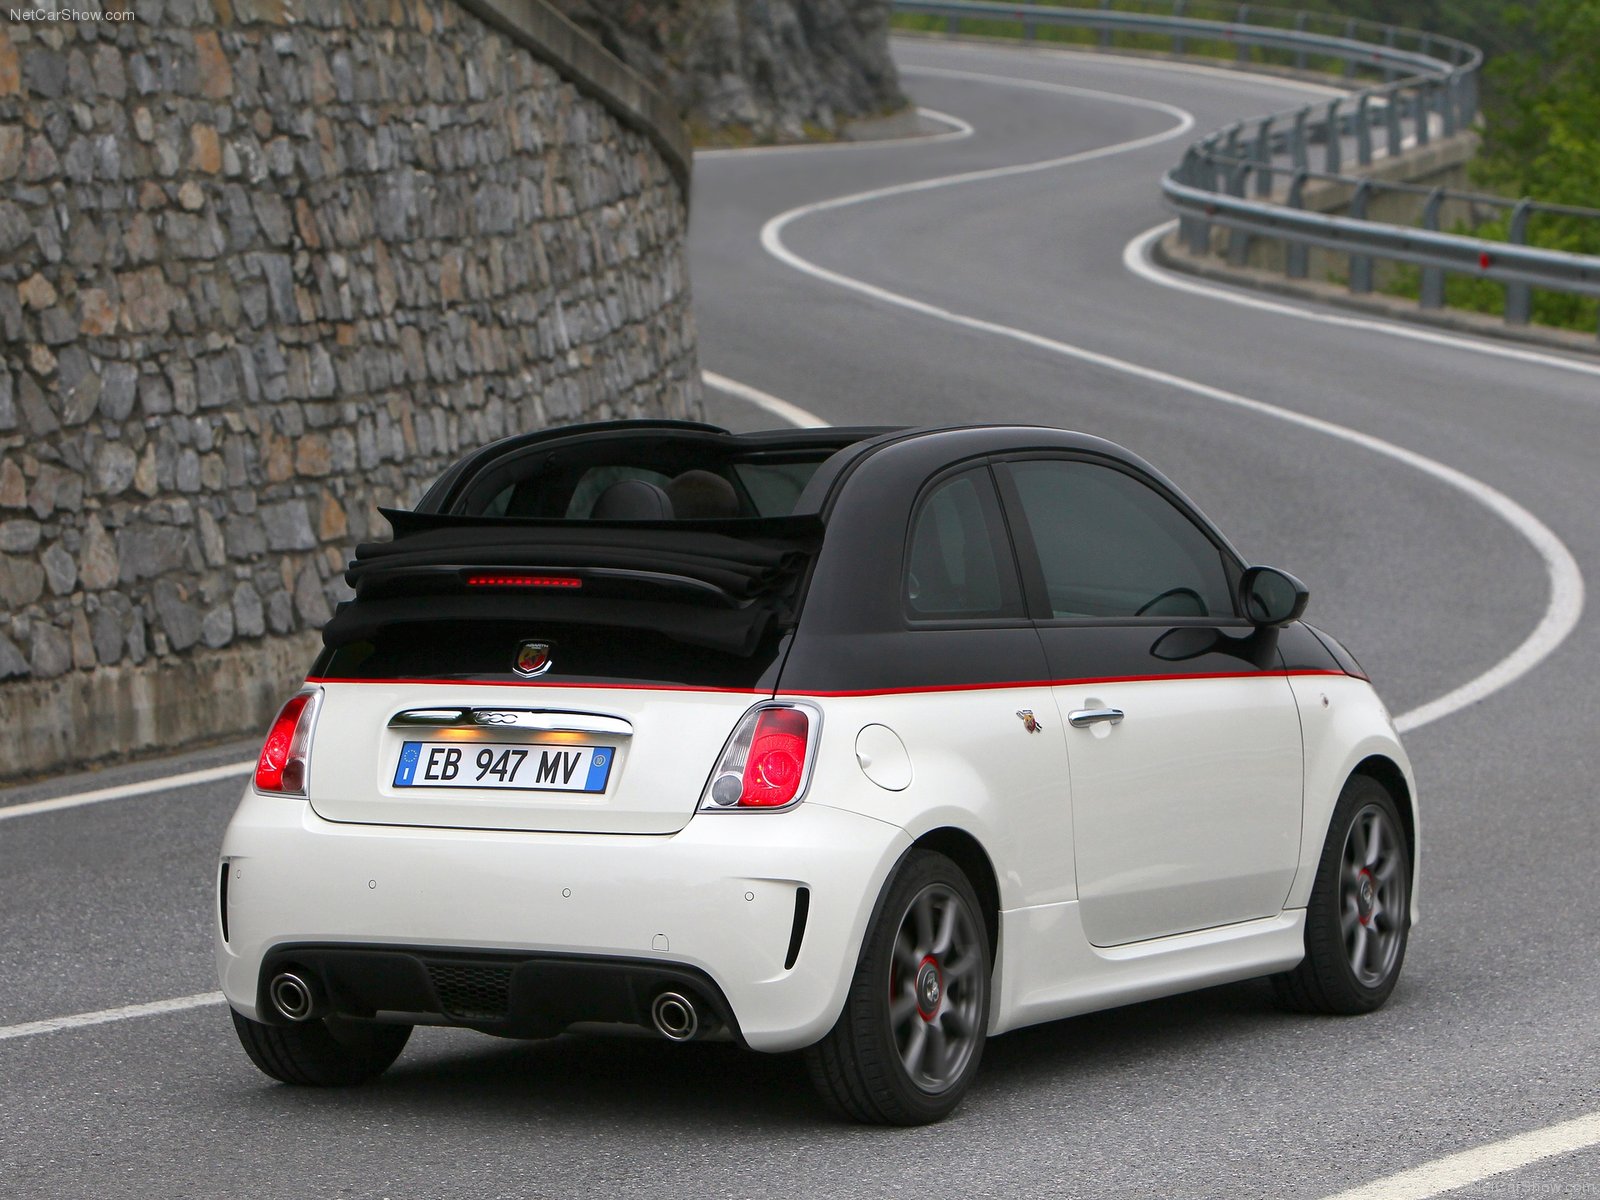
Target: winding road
pixel 1437 492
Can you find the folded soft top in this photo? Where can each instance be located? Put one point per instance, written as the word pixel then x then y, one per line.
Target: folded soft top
pixel 724 585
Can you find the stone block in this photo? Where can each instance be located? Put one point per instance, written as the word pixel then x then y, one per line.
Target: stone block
pixel 148 551
pixel 288 526
pixel 19 536
pixel 21 581
pixel 216 627
pixel 60 569
pixel 50 654
pixel 12 663
pixel 178 618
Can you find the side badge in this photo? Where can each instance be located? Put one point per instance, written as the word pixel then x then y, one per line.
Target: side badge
pixel 533 658
pixel 1029 721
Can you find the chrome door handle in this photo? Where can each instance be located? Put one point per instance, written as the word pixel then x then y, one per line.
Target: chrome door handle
pixel 1084 717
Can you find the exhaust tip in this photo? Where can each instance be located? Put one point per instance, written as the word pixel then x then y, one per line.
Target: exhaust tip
pixel 292 997
pixel 675 1016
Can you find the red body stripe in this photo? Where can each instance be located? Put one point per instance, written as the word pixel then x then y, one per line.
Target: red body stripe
pixel 896 691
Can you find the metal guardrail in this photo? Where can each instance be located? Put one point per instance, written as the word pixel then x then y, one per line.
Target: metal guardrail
pixel 1427 88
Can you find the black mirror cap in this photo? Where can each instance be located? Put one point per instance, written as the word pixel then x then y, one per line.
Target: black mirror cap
pixel 1271 598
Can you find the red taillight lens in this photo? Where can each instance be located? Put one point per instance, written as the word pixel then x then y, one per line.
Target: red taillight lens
pixel 506 579
pixel 764 764
pixel 282 765
pixel 777 754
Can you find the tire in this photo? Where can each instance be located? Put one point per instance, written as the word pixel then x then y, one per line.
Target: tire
pixel 1359 917
pixel 907 1046
pixel 328 1053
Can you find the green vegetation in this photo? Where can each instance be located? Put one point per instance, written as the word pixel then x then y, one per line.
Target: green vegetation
pixel 1540 102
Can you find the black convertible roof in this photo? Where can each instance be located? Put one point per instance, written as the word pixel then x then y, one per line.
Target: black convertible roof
pixel 721 584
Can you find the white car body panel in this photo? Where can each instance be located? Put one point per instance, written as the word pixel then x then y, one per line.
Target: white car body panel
pixel 719 895
pixel 654 785
pixel 1186 812
pixel 1048 969
pixel 1345 723
pixel 974 767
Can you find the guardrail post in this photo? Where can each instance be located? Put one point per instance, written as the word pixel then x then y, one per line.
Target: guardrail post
pixel 1105 34
pixel 1179 42
pixel 1420 118
pixel 1364 129
pixel 1238 239
pixel 1432 294
pixel 1298 153
pixel 1469 99
pixel 1335 154
pixel 1230 143
pixel 1350 35
pixel 1296 257
pixel 1264 158
pixel 952 24
pixel 1027 29
pixel 1189 172
pixel 1447 104
pixel 1388 41
pixel 1391 122
pixel 1300 27
pixel 1243 53
pixel 1519 296
pixel 1360 264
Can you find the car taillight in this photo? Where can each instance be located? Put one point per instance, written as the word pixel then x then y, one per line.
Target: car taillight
pixel 514 580
pixel 282 767
pixel 767 762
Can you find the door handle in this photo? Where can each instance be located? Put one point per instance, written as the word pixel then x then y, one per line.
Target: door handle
pixel 1084 717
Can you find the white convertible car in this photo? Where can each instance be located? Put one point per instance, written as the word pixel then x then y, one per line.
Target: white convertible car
pixel 873 743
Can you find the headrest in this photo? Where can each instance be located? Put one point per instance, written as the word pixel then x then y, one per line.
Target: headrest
pixel 632 500
pixel 701 496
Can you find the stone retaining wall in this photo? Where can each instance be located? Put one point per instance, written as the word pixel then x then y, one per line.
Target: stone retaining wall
pixel 264 266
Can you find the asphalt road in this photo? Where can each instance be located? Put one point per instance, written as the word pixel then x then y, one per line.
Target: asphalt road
pixel 1493 1030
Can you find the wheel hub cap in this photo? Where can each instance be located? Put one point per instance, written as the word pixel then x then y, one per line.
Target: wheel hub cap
pixel 930 988
pixel 1366 898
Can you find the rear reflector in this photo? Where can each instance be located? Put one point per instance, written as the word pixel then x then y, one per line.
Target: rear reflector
pixel 767 762
pixel 282 767
pixel 524 581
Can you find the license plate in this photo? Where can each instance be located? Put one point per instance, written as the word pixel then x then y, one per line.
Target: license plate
pixel 501 765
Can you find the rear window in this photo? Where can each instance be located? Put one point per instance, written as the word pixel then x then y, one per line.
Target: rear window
pixel 665 485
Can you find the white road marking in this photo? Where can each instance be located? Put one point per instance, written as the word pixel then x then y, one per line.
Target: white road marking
pixel 1112 58
pixel 1565 603
pixel 127 790
pixel 780 408
pixel 1136 257
pixel 958 129
pixel 107 1015
pixel 1484 1162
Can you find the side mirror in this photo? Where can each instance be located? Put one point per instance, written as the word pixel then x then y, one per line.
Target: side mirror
pixel 1271 597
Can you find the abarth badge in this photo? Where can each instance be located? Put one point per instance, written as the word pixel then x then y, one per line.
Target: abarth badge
pixel 533 658
pixel 1029 721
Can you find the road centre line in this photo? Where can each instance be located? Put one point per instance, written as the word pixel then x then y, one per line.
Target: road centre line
pixel 107 1015
pixel 1565 604
pixel 128 790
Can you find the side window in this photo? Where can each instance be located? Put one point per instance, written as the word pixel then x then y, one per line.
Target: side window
pixel 960 565
pixel 1111 546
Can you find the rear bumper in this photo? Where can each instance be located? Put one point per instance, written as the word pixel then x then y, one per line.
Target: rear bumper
pixel 598 918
